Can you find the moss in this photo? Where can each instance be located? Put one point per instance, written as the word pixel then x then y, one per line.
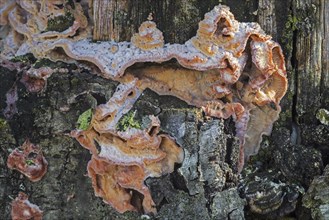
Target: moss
pixel 43 62
pixel 292 23
pixel 48 63
pixel 84 120
pixel 60 23
pixel 29 162
pixel 128 121
pixel 26 58
pixel 37 63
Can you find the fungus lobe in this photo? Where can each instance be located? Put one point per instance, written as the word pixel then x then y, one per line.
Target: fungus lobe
pixel 29 160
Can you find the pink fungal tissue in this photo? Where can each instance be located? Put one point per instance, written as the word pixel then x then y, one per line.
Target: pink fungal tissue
pixel 229 69
pixel 29 160
pixel 23 209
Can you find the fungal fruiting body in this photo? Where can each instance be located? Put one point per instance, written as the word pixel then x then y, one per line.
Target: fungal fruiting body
pixel 29 160
pixel 23 209
pixel 227 69
pixel 148 37
pixel 35 79
pixel 122 160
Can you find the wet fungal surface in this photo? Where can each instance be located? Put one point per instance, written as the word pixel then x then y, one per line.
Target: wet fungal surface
pixel 229 69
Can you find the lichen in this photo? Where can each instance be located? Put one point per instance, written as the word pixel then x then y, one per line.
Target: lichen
pixel 316 197
pixel 323 116
pixel 84 120
pixel 291 25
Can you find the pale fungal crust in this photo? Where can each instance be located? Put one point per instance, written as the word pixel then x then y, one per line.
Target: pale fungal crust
pixel 29 160
pixel 229 69
pixel 5 8
pixel 23 209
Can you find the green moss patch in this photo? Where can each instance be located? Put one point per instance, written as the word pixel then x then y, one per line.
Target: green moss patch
pixel 29 162
pixel 128 121
pixel 84 120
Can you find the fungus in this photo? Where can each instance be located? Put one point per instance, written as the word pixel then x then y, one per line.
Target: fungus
pixel 268 196
pixel 148 37
pixel 229 69
pixel 43 20
pixel 115 182
pixel 5 8
pixel 193 86
pixel 29 160
pixel 217 28
pixel 23 209
pixel 35 79
pixel 124 159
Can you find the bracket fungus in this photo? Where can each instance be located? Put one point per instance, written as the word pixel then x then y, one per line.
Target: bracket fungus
pixel 23 209
pixel 29 160
pixel 228 69
pixel 122 160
